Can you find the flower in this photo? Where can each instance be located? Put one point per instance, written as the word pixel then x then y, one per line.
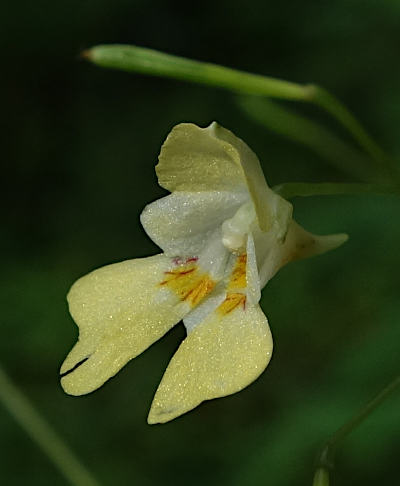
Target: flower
pixel 224 233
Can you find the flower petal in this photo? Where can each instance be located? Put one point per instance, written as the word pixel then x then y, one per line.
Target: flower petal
pixel 194 159
pixel 252 276
pixel 213 158
pixel 220 356
pixel 273 253
pixel 301 244
pixel 122 309
pixel 269 206
pixel 182 222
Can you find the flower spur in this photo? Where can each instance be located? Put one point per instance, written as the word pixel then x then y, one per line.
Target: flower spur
pixel 224 233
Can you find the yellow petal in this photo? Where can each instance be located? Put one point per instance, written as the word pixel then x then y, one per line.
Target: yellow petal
pixel 213 158
pixel 220 356
pixel 122 309
pixel 193 159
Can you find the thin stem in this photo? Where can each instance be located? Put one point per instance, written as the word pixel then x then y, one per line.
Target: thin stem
pixel 289 190
pixel 148 61
pixel 348 427
pixel 41 432
pixel 321 477
pixel 338 110
pixel 317 138
pixel 326 457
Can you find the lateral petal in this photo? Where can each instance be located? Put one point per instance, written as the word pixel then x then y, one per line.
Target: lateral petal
pixel 121 309
pixel 220 356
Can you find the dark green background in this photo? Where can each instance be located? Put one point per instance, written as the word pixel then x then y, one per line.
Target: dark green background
pixel 78 155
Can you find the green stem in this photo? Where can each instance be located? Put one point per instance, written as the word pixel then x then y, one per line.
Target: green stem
pixel 332 105
pixel 317 138
pixel 41 432
pixel 321 477
pixel 289 190
pixel 326 457
pixel 148 61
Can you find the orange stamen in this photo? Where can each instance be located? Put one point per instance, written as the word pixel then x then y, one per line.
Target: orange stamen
pixel 231 302
pixel 238 277
pixel 188 283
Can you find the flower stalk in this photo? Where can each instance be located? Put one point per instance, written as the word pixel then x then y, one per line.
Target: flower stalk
pixel 42 433
pixel 152 62
pixel 289 190
pixel 301 130
pixel 326 457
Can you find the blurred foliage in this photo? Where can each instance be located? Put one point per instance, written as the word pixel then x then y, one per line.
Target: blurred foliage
pixel 79 150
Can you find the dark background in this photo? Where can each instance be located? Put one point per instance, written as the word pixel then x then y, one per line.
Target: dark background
pixel 78 155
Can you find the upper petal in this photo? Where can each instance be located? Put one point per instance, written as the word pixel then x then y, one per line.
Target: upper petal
pixel 213 158
pixel 194 159
pixel 220 356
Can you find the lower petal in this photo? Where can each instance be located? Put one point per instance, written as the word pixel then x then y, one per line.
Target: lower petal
pixel 121 310
pixel 220 356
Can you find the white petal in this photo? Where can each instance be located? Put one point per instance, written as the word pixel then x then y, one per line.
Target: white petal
pixel 182 222
pixel 252 277
pixel 268 252
pixel 240 275
pixel 213 258
pixel 202 311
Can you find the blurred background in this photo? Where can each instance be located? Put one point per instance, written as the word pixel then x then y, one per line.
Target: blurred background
pixel 78 154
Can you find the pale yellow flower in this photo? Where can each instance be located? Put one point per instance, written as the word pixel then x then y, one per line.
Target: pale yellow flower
pixel 224 233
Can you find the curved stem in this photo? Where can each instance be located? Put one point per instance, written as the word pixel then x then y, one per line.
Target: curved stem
pixel 355 421
pixel 321 477
pixel 149 61
pixel 289 190
pixel 338 110
pixel 41 432
pixel 319 139
pixel 326 457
